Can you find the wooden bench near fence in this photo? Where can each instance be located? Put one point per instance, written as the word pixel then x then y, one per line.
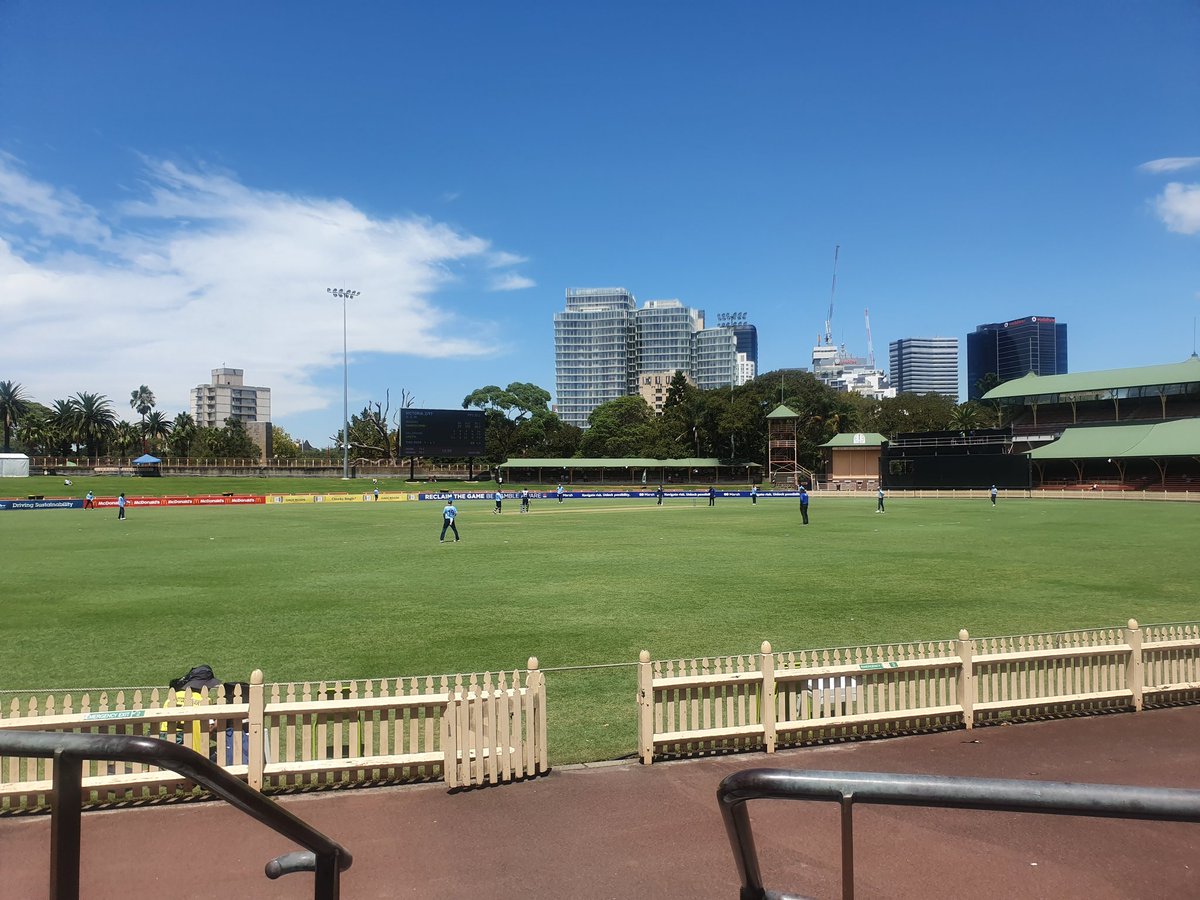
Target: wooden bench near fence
pixel 465 729
pixel 765 700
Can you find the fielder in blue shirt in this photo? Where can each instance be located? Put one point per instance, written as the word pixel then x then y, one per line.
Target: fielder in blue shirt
pixel 449 511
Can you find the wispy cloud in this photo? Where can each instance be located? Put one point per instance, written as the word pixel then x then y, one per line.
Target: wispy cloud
pixel 201 270
pixel 511 281
pixel 1179 207
pixel 1170 164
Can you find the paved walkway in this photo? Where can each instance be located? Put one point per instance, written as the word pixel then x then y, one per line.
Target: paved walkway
pixel 618 831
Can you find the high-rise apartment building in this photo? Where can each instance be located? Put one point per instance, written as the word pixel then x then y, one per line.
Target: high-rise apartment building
pixel 716 358
pixel 594 352
pixel 604 348
pixel 1009 350
pixel 663 335
pixel 229 398
pixel 925 366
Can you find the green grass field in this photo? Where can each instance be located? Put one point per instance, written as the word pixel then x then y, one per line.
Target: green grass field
pixel 356 590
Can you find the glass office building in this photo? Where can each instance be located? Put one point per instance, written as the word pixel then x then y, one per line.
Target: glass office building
pixel 924 366
pixel 1013 349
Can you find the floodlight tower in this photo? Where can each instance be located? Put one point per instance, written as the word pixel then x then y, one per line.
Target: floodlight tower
pixel 345 295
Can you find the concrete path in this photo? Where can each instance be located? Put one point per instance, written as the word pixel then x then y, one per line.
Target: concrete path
pixel 626 831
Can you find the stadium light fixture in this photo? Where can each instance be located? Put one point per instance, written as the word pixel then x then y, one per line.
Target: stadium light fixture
pixel 345 295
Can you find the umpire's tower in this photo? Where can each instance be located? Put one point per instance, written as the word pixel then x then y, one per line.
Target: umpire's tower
pixel 783 461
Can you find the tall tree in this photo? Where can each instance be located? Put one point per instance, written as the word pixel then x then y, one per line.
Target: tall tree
pixel 64 420
pixel 235 442
pixel 142 400
pixel 156 428
pixel 94 420
pixel 183 430
pixel 13 402
pixel 35 432
pixel 124 437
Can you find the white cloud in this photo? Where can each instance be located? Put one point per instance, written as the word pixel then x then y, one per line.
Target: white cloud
pixel 1170 164
pixel 202 271
pixel 1179 207
pixel 511 281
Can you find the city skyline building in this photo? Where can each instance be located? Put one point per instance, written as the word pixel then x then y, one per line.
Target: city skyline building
pixel 716 358
pixel 1008 350
pixel 605 347
pixel 229 397
pixel 924 366
pixel 593 351
pixel 746 339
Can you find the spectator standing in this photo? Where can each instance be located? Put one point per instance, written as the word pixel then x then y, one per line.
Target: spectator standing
pixel 449 513
pixel 803 505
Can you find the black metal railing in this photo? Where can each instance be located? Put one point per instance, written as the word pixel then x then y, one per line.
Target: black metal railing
pixel 325 858
pixel 1111 801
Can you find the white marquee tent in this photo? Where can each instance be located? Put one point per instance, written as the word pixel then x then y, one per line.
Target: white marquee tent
pixel 14 465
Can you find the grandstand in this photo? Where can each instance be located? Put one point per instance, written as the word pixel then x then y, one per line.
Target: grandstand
pixel 1136 428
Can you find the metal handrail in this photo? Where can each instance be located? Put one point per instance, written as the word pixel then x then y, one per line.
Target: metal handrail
pixel 1113 801
pixel 326 858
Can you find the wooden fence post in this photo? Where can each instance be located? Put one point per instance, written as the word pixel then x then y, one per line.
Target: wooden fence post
pixel 256 757
pixel 966 678
pixel 536 682
pixel 767 666
pixel 1135 670
pixel 645 708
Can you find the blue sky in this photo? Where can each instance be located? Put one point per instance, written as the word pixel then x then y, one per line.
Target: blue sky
pixel 179 183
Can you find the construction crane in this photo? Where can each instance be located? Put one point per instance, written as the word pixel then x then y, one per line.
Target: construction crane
pixel 870 346
pixel 832 293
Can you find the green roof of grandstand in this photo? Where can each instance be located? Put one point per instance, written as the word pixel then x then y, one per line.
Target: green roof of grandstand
pixel 1181 438
pixel 1033 385
pixel 856 439
pixel 782 412
pixel 619 463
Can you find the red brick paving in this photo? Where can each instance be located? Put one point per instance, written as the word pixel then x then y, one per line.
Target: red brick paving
pixel 627 830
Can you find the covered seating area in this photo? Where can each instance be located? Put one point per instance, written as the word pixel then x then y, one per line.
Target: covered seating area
pixel 1159 456
pixel 630 470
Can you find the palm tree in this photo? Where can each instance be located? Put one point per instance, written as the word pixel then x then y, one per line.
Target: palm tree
pixel 94 420
pixel 966 416
pixel 156 427
pixel 13 401
pixel 183 430
pixel 143 401
pixel 37 434
pixel 64 422
pixel 124 437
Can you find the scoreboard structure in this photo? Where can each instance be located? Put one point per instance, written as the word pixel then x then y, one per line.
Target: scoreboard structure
pixel 441 432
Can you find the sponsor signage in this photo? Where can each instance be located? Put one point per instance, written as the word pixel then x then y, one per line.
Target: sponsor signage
pixel 598 495
pixel 338 498
pixel 133 502
pixel 41 504
pixel 293 498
